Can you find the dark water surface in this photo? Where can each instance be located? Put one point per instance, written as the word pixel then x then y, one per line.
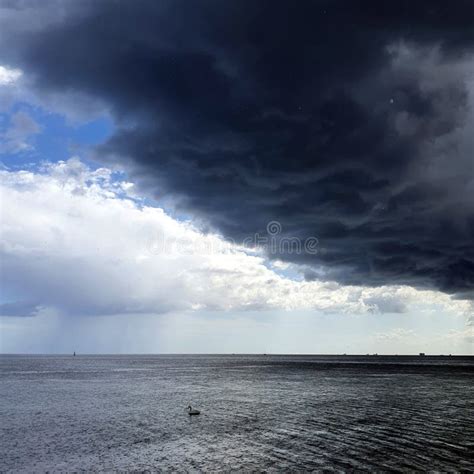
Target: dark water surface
pixel 272 413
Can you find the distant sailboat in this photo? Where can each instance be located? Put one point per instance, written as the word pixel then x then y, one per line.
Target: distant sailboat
pixel 74 355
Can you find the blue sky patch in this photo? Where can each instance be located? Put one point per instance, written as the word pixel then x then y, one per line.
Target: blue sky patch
pixel 31 135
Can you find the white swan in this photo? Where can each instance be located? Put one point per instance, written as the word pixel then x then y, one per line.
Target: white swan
pixel 191 411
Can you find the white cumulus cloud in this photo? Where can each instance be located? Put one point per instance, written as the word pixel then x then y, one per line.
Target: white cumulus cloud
pixel 9 76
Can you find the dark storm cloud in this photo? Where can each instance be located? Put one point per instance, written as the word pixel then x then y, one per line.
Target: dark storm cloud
pixel 341 120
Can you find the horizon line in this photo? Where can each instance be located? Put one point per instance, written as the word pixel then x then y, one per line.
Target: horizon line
pixel 77 354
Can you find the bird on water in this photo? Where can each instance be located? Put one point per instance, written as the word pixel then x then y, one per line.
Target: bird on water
pixel 192 411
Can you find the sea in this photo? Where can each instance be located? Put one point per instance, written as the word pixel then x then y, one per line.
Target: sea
pixel 259 413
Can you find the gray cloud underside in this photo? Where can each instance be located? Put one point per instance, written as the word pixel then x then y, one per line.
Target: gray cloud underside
pixel 348 121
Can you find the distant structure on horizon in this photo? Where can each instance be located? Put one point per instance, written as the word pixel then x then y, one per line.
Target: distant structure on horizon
pixel 74 354
pixel 422 354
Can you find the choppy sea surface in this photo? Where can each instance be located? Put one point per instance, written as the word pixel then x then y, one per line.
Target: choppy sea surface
pixel 258 413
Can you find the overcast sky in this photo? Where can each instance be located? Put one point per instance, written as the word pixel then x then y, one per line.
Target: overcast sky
pixel 244 176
